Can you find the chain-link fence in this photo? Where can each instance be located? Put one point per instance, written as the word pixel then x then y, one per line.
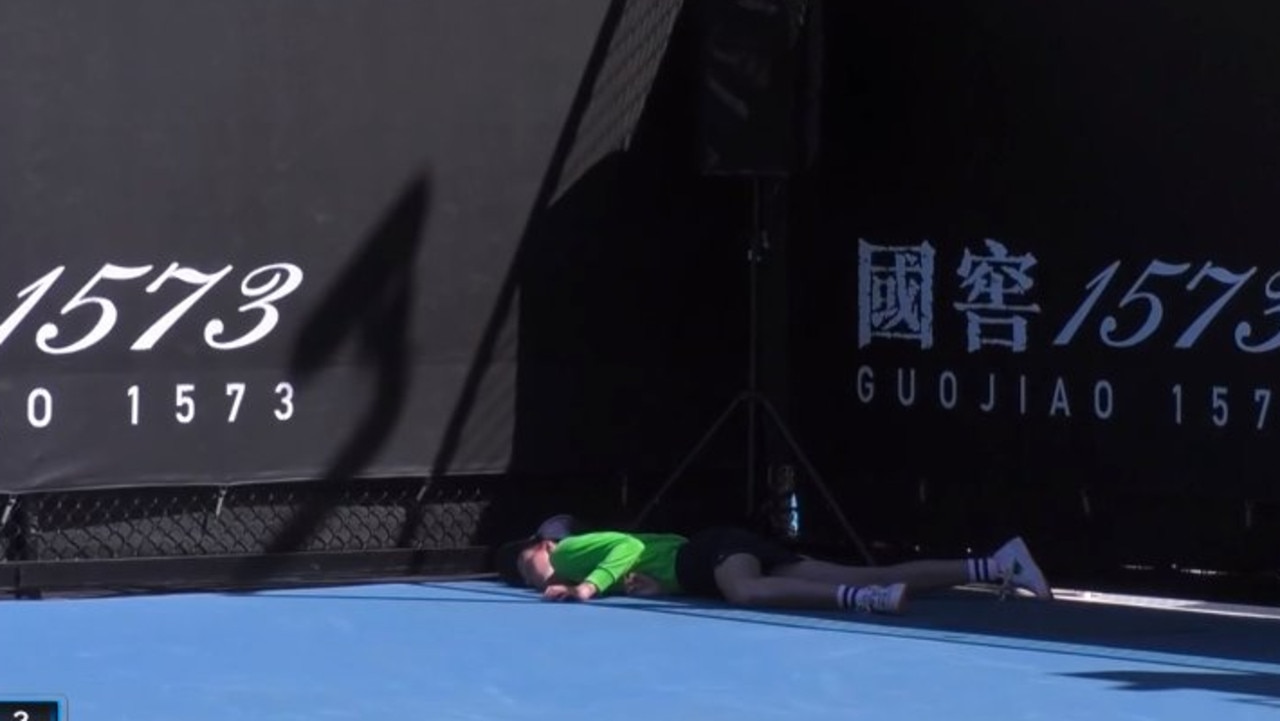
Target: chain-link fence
pixel 261 520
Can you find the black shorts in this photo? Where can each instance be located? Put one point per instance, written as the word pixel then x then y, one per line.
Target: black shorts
pixel 698 559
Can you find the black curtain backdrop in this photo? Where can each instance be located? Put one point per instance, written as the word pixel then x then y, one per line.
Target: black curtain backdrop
pixel 1040 270
pixel 258 241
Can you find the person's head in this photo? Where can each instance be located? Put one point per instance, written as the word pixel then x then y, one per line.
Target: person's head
pixel 526 563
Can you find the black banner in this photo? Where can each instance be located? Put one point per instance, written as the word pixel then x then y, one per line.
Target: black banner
pixel 253 240
pixel 1042 246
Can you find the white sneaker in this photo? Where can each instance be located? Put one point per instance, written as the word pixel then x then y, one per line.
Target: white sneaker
pixel 880 599
pixel 1019 570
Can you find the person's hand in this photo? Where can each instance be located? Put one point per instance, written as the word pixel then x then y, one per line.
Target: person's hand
pixel 584 591
pixel 638 584
pixel 561 592
pixel 557 592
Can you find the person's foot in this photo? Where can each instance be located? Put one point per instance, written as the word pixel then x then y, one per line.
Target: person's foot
pixel 1018 569
pixel 881 599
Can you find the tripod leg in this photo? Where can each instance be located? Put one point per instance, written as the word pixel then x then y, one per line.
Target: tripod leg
pixel 697 449
pixel 817 479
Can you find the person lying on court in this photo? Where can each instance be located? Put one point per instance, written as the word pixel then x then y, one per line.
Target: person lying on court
pixel 742 568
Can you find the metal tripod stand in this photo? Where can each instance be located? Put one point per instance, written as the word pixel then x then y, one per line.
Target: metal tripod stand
pixel 754 400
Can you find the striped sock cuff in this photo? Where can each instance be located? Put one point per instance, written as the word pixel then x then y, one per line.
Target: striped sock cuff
pixel 847 596
pixel 982 570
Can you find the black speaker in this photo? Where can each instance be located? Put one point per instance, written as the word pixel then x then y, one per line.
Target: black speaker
pixel 757 73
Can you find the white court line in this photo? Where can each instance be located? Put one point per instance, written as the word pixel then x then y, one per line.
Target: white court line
pixel 1167 604
pixel 1212 608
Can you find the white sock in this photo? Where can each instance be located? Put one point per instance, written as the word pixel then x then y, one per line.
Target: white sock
pixel 847 596
pixel 984 570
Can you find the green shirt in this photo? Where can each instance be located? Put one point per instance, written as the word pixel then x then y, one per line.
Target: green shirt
pixel 606 557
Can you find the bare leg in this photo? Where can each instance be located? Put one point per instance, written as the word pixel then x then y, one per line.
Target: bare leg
pixel 918 575
pixel 743 584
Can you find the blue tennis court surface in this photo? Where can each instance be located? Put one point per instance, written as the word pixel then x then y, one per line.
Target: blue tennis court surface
pixel 478 651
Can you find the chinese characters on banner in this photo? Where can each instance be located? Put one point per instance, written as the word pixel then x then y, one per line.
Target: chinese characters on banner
pixel 895 294
pixel 994 287
pixel 896 303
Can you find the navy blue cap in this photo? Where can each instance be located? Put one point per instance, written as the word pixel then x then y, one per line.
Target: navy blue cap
pixel 555 528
